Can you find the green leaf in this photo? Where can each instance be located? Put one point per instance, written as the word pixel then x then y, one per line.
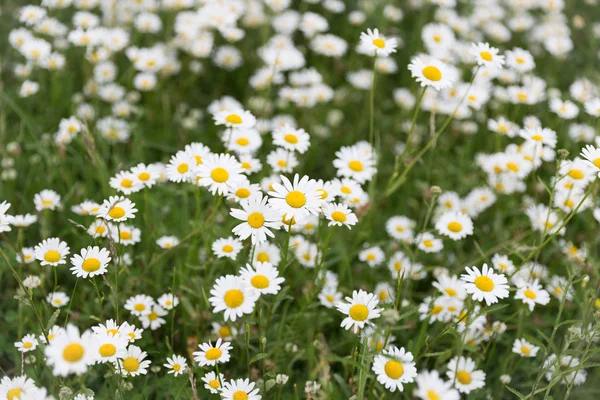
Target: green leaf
pixel 257 357
pixel 516 392
pixel 52 320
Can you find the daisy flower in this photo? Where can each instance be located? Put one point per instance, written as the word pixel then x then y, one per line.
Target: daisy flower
pixel 223 331
pixel 394 368
pixel 20 387
pixel 555 365
pixel 360 309
pixel 227 247
pixel 373 256
pixel 455 225
pixel 212 382
pixel 329 296
pixel 91 262
pixel 353 163
pixel 339 214
pixel 503 264
pixel 466 378
pixel 485 285
pixel 267 252
pixel 126 235
pixel 239 389
pixel 430 386
pixel 242 141
pixel 242 189
pixel 264 278
pixel 133 363
pixel 27 343
pixel 198 151
pixel 46 200
pixel 235 118
pixel 291 138
pixel 211 355
pixel 432 73
pixel 153 319
pixel 181 167
pixel 168 301
pixel 296 200
pixel 147 175
pixel 117 209
pixel 539 135
pixel 139 305
pixel 282 161
pixel 259 218
pixel 231 294
pixel 385 292
pixel 450 286
pixel 32 281
pixel 98 228
pixel 592 156
pixel 531 293
pixel 57 299
pixel 5 219
pixel 70 353
pixel 52 252
pixel 167 242
pixel 109 347
pixel 217 172
pixel 400 228
pixel 487 56
pixel 175 365
pixel 126 183
pixel 376 44
pixel 525 349
pixel 429 243
pixel 23 221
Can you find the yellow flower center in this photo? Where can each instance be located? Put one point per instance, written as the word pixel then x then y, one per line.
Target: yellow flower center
pixel 234 298
pixel 355 166
pixel 107 350
pixel 263 257
pixel 100 229
pixel 47 202
pixel 73 352
pixel 240 395
pixel 246 165
pixel 512 166
pixel 116 212
pixel 455 227
pixel 224 332
pixel 131 364
pixel 282 163
pixel 464 377
pixel 52 256
pixel 576 174
pixel 125 235
pixel 383 296
pixel 234 119
pixel 176 367
pixel 486 55
pixel 450 292
pixel 126 183
pixel 90 265
pixel 153 316
pixel 214 384
pixel 338 216
pixel 525 350
pixel 260 281
pixel 431 395
pixel 379 43
pixel 530 294
pixel 139 307
pixel 596 162
pixel 112 331
pixel 213 354
pixel 359 312
pixel 484 283
pixel 393 369
pixel 14 394
pixel 295 199
pixel 256 220
pixel 242 193
pixel 290 138
pixel 27 345
pixel 569 203
pixel 432 73
pixel 219 175
pixel 227 248
pixel 183 168
pixel 144 176
pixel 243 141
pixel 436 310
pixel 428 243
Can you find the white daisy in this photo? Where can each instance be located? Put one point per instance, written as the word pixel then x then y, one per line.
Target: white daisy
pixel 57 299
pixel 376 44
pixel 531 293
pixel 133 363
pixel 431 73
pixel 109 347
pixel 485 285
pixel 27 343
pixel 175 365
pixel 117 209
pixel 227 247
pixel 91 262
pixel 46 200
pixel 525 349
pixel 461 370
pixel 212 382
pixel 264 278
pixel 139 305
pixel 217 172
pixel 394 367
pixel 52 252
pixel 339 215
pixel 239 389
pixel 153 319
pixel 259 218
pixel 168 301
pixel 70 353
pixel 291 138
pixel 360 309
pixel 211 355
pixel 296 200
pixel 455 225
pixel 231 294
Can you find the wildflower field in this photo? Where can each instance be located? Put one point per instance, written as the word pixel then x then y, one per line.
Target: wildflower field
pixel 299 199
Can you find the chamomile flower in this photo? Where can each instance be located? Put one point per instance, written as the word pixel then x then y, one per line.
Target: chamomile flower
pixel 109 347
pixel 181 167
pixel 126 182
pixel 487 56
pixel 264 278
pixel 430 386
pixel 360 309
pixel 373 256
pixel 431 73
pixel 462 371
pixel 339 215
pixel 225 332
pixel 242 189
pixel 23 221
pixel 232 295
pixel 455 225
pixel 485 285
pixel 400 228
pixel 235 118
pixel 385 292
pixel 394 367
pixel 376 44
pixel 429 243
pixel 46 200
pixel 539 135
pixel 167 242
pixel 153 319
pixel 330 297
pixel 20 388
pixel 176 365
pixel 503 264
pixel 556 365
pixel 91 262
pixel 26 256
pixel 352 163
pixel 98 228
pixel 267 252
pixel 27 343
pixel 133 362
pixel 212 382
pixel 592 156
pixel 211 355
pixel 291 138
pixel 139 305
pixel 217 172
pixel 227 247
pixel 126 235
pixel 259 218
pixel 32 282
pixel 296 200
pixel 52 252
pixel 70 353
pixel 242 141
pixel 117 209
pixel 147 175
pixel 57 299
pixel 240 389
pixel 532 293
pixel 450 286
pixel 168 301
pixel 525 349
